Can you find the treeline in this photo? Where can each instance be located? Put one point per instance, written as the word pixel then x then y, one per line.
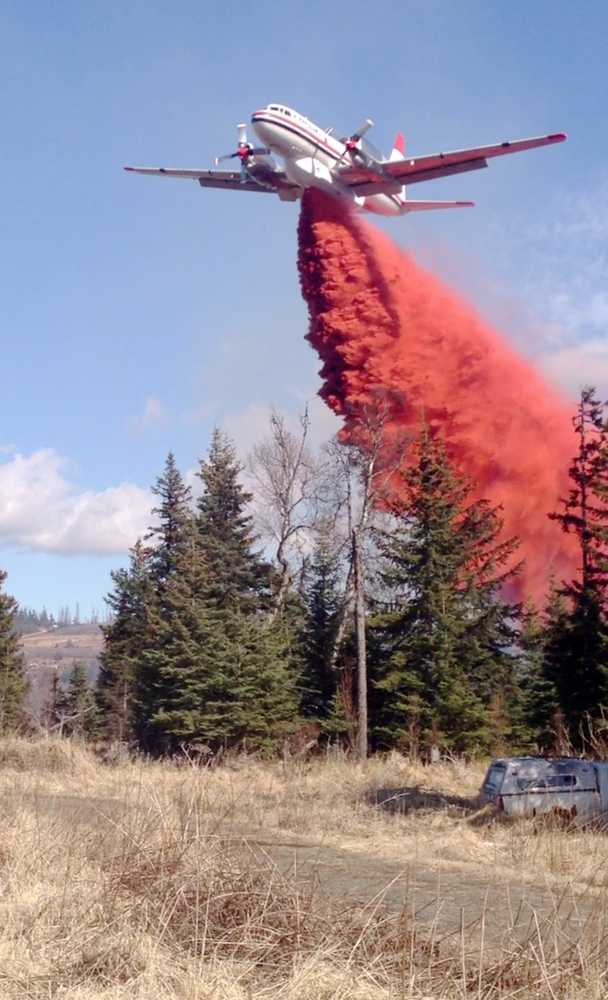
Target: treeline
pixel 360 594
pixel 28 620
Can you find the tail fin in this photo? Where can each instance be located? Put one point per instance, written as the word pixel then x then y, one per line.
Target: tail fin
pixel 398 151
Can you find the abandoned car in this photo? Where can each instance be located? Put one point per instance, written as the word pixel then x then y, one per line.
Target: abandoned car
pixel 531 786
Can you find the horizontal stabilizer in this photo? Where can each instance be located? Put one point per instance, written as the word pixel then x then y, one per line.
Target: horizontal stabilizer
pixel 428 206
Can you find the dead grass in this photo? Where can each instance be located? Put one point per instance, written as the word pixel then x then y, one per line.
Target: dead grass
pixel 137 881
pixel 44 755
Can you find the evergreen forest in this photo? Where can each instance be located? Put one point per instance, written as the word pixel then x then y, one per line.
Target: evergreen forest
pixel 360 595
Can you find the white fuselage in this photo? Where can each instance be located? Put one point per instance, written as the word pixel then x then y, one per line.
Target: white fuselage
pixel 311 154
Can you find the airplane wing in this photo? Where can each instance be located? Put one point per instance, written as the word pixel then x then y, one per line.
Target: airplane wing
pixel 231 179
pixel 412 170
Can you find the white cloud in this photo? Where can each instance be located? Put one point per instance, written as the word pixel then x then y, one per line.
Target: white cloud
pixel 198 414
pixel 324 424
pixel 247 427
pixel 42 511
pixel 153 414
pixel 574 365
pixel 252 425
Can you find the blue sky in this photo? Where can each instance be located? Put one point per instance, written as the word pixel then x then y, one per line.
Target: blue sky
pixel 138 313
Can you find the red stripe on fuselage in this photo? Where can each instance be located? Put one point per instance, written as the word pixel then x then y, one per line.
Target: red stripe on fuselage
pixel 297 129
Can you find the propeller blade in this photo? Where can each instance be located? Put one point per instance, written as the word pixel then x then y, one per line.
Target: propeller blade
pixel 342 157
pixel 365 127
pixel 227 156
pixel 242 133
pixel 350 141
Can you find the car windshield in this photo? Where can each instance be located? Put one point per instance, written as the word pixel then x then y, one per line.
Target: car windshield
pixel 494 778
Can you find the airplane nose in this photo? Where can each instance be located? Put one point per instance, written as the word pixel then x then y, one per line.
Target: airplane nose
pixel 259 127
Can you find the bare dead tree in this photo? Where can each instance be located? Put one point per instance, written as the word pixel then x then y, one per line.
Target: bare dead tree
pixel 294 492
pixel 285 475
pixel 368 465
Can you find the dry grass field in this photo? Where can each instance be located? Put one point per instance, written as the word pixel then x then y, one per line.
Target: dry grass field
pixel 299 881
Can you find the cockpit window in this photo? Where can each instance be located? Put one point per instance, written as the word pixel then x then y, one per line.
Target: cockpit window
pixel 273 107
pixel 288 113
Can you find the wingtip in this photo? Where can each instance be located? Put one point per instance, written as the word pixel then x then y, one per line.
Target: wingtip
pixel 558 137
pixel 129 168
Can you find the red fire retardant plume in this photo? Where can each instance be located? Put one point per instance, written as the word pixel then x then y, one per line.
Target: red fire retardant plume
pixel 380 323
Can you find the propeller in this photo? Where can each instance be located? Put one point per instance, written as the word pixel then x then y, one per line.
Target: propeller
pixel 243 151
pixel 351 143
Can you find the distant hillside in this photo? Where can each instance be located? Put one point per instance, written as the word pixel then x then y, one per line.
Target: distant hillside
pixel 57 649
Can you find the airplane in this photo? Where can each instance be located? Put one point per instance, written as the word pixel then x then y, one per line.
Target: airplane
pixel 349 168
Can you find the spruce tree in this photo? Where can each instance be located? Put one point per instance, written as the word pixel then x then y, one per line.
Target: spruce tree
pixel 237 576
pixel 220 675
pixel 577 662
pixel 153 642
pixel 132 604
pixel 77 708
pixel 189 635
pixel 544 697
pixel 50 714
pixel 172 671
pixel 174 515
pixel 585 509
pixel 442 635
pixel 538 696
pixel 322 602
pixel 580 648
pixel 13 682
pixel 258 703
pixel 165 578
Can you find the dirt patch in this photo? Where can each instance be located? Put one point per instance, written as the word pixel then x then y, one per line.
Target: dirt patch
pixel 450 903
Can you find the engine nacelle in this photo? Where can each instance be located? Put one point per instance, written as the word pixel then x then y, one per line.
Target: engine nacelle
pixel 261 164
pixel 261 169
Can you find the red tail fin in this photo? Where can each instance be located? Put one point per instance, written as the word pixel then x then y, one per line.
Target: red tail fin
pixel 398 150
